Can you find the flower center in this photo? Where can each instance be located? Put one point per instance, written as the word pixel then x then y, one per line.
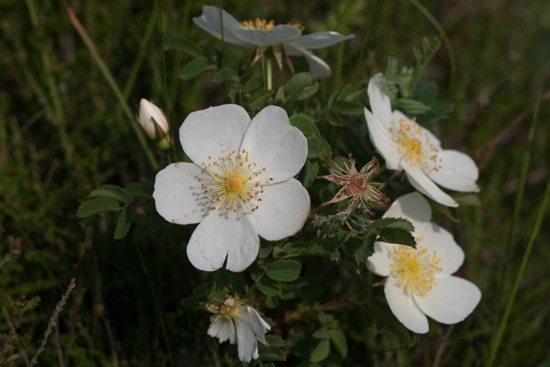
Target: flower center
pixel 265 25
pixel 358 183
pixel 235 185
pixel 415 269
pixel 259 24
pixel 414 144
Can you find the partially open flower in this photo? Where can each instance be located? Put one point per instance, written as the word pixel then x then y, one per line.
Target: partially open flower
pixel 259 33
pixel 152 120
pixel 405 145
pixel 356 185
pixel 420 281
pixel 239 323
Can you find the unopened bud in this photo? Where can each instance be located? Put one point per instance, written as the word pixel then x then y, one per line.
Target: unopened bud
pixel 152 120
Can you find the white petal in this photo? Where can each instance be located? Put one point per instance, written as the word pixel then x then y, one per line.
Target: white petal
pixel 458 171
pixel 425 185
pixel 380 101
pixel 414 208
pixel 177 193
pixel 220 235
pixel 380 263
pixel 250 327
pixel 319 40
pixel 432 139
pixel 210 22
pixel 147 112
pixel 451 300
pixel 283 210
pixel 275 144
pixel 438 239
pixel 222 329
pixel 403 307
pixel 318 68
pixel 274 36
pixel 383 142
pixel 213 132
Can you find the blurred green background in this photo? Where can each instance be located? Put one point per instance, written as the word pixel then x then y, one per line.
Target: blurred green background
pixel 63 133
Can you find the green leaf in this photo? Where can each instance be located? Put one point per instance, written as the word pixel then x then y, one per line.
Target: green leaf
pixel 112 192
pixel 225 75
pixel 124 221
pixel 235 95
pixel 297 82
pixel 275 341
pixel 411 107
pixel 196 302
pixel 451 213
pixel 305 92
pixel 195 67
pixel 332 99
pixel 270 353
pixel 138 191
pixel 259 98
pixel 466 199
pixel 353 90
pixel 333 118
pixel 312 169
pixel 339 341
pixel 253 83
pixel 322 333
pixel 305 124
pixel 320 352
pixel 183 45
pixel 314 147
pixel 398 236
pixel 392 223
pixel 268 287
pixel 366 249
pixel 96 206
pixel 265 249
pixel 284 270
pixel 349 107
pixel 280 96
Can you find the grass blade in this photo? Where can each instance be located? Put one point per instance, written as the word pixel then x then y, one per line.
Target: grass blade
pixel 112 83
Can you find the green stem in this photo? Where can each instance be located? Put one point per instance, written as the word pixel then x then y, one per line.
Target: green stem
pixel 270 75
pixel 363 47
pixel 519 197
pixel 435 23
pixel 112 83
pixel 523 266
pixel 223 39
pixel 156 304
pixel 339 62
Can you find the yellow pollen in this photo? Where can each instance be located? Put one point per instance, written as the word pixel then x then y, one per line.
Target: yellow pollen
pixel 234 183
pixel 259 24
pixel 415 268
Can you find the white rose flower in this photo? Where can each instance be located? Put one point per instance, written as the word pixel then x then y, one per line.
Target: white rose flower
pixel 240 185
pixel 419 280
pixel 405 145
pixel 239 323
pixel 153 120
pixel 260 33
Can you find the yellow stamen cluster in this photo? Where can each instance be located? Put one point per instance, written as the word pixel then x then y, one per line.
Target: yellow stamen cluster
pixel 415 268
pixel 415 144
pixel 259 24
pixel 265 25
pixel 226 309
pixel 235 184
